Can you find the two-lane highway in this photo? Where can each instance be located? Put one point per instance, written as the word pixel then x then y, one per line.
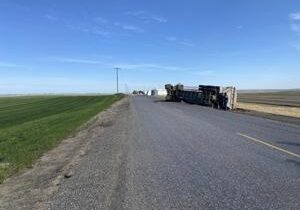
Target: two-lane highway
pixel 161 155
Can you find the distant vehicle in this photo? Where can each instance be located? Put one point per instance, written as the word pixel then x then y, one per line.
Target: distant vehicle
pixel 138 92
pixel 159 92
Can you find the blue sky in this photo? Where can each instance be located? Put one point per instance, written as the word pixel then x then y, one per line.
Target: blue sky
pixel 61 46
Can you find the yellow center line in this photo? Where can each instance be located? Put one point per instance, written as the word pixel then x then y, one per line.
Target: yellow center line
pixel 269 145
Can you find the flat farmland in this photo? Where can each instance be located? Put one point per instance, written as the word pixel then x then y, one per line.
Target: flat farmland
pixel 29 126
pixel 282 105
pixel 280 98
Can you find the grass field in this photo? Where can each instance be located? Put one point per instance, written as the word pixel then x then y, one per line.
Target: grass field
pixel 29 126
pixel 281 98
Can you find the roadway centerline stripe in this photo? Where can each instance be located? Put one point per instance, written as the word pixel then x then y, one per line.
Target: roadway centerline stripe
pixel 269 145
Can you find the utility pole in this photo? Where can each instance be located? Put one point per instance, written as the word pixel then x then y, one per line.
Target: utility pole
pixel 117 73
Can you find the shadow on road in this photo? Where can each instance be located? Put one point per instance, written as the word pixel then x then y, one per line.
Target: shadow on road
pixel 296 163
pixel 289 143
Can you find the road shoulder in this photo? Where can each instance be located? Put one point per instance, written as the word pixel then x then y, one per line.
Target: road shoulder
pixel 276 117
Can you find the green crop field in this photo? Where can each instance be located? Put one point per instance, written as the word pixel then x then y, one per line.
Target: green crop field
pixel 31 125
pixel 281 98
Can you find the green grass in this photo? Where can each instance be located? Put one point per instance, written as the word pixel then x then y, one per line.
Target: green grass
pixel 29 126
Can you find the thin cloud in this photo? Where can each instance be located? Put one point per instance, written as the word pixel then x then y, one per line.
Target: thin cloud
pixel 77 27
pixel 295 16
pixel 186 43
pixel 51 17
pixel 105 23
pixel 295 24
pixel 132 28
pixel 203 73
pixel 159 19
pixel 9 65
pixel 84 27
pixel 295 27
pixel 179 41
pixel 101 32
pixel 75 60
pixel 135 13
pixel 116 23
pixel 147 16
pixel 171 38
pixel 99 26
pixel 150 67
pixel 143 66
pixel 102 56
pixel 101 20
pixel 111 25
pixel 96 30
pixel 296 46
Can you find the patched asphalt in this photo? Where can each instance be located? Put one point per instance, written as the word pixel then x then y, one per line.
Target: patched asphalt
pixel 160 155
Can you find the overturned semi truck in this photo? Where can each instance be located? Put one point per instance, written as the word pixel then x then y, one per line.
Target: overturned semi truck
pixel 213 96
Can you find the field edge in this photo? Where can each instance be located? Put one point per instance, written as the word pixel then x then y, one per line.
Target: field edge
pixel 7 170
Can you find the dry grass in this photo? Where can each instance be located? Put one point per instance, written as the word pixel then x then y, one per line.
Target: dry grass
pixel 282 98
pixel 271 109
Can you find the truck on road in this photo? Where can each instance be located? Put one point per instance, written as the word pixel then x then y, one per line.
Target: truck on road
pixel 213 96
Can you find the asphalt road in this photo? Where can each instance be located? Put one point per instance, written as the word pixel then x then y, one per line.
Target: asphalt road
pixel 160 155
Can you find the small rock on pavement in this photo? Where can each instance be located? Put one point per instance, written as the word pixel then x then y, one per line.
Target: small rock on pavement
pixel 68 174
pixel 82 153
